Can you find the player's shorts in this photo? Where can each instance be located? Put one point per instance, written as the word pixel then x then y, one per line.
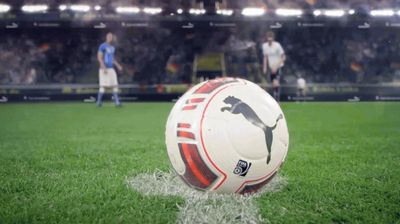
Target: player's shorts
pixel 109 79
pixel 275 76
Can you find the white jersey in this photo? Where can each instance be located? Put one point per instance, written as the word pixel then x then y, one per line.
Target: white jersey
pixel 274 53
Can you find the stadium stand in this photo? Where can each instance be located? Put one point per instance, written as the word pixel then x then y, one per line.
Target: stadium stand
pixel 155 55
pixel 56 49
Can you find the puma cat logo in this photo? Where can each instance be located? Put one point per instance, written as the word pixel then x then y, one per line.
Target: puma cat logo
pixel 239 107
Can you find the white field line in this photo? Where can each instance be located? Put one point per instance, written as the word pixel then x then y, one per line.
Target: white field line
pixel 203 207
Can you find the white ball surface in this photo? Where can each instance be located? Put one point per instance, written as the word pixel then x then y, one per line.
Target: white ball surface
pixel 227 135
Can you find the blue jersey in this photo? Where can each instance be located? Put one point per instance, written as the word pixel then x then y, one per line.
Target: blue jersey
pixel 108 54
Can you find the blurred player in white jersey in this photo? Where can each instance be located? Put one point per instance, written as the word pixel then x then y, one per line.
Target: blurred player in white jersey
pixel 107 74
pixel 274 59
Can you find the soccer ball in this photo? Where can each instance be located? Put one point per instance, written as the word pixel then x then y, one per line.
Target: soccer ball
pixel 226 135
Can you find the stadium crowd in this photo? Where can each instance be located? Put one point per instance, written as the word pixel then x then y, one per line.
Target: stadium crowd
pixel 155 55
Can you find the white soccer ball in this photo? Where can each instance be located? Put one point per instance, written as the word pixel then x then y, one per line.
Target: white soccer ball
pixel 227 135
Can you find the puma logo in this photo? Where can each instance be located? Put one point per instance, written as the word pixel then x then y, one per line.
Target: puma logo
pixel 239 107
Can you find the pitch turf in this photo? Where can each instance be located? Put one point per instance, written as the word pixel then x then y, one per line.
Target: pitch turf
pixel 69 163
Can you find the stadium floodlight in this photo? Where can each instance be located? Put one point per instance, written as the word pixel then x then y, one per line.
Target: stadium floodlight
pixel 334 12
pixel 62 7
pixel 288 12
pixel 127 10
pixel 150 10
pixel 382 12
pixel 34 8
pixel 225 12
pixel 97 8
pixel 197 11
pixel 4 8
pixel 80 8
pixel 351 11
pixel 317 12
pixel 253 11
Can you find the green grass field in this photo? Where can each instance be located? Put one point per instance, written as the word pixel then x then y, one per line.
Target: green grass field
pixel 69 163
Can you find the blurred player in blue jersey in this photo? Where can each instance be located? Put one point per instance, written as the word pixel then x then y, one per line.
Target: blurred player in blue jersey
pixel 107 74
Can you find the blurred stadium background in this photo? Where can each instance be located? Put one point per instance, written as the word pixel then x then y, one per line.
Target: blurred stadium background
pixel 343 49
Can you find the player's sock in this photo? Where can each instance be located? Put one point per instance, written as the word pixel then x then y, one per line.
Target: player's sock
pixel 100 97
pixel 116 98
pixel 276 93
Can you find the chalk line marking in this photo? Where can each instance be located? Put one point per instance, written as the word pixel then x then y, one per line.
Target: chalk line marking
pixel 203 207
